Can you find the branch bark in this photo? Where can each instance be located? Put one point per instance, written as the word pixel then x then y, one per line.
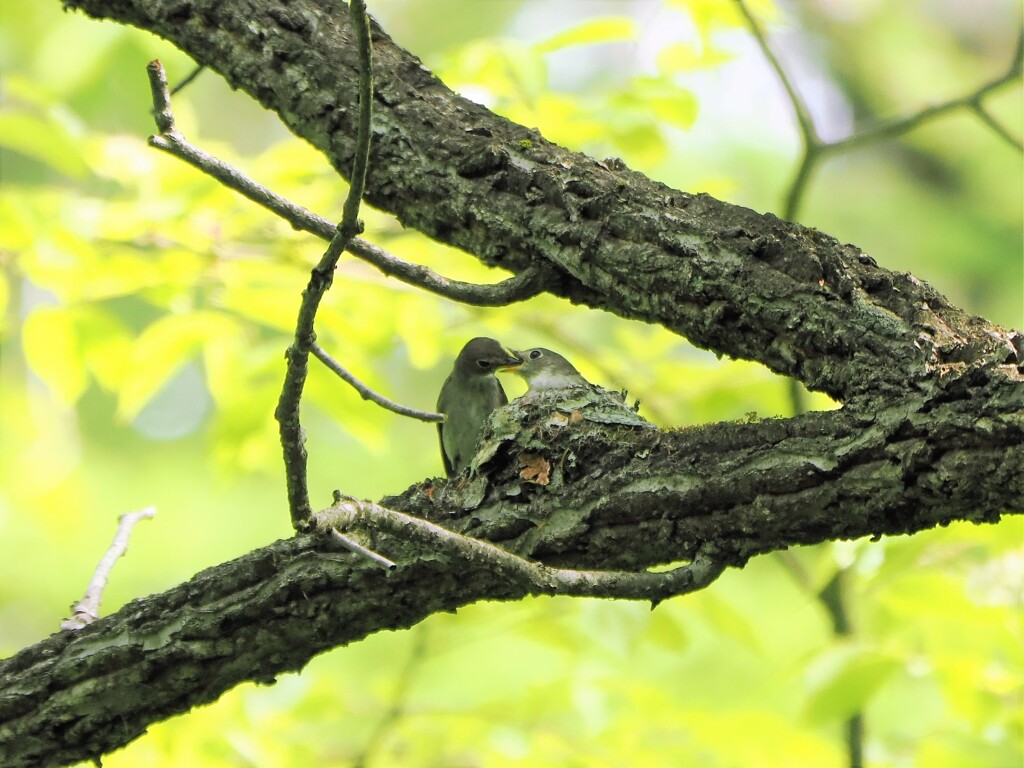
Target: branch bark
pixel 651 497
pixel 744 284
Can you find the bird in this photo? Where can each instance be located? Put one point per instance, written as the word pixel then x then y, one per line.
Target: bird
pixel 544 369
pixel 554 381
pixel 468 396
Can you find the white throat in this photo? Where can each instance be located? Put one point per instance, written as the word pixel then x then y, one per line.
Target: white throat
pixel 550 380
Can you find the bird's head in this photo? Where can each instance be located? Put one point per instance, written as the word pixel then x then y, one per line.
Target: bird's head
pixel 483 356
pixel 544 369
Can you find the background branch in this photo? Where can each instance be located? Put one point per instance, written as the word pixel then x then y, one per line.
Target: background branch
pixel 816 150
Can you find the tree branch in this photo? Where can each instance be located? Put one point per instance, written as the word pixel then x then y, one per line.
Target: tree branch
pixel 87 610
pixel 368 394
pixel 816 150
pixel 744 284
pixel 527 284
pixel 932 430
pixel 287 411
pixel 651 498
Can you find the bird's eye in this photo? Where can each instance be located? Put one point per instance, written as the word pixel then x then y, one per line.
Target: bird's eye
pixel 485 364
pixel 535 353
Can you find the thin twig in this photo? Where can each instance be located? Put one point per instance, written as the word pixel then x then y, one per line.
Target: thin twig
pixel 359 549
pixel 996 127
pixel 833 597
pixel 814 149
pixel 368 394
pixel 803 115
pixel 902 125
pixel 534 578
pixel 188 79
pixel 525 285
pixel 320 279
pixel 87 610
pixel 415 659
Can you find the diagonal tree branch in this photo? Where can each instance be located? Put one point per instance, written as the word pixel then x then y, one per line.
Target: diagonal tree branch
pixel 657 497
pixel 744 284
pixel 523 286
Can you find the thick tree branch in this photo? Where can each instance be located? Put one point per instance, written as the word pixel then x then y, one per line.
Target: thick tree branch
pixel 652 497
pixel 729 279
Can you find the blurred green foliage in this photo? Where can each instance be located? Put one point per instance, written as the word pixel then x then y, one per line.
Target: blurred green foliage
pixel 145 312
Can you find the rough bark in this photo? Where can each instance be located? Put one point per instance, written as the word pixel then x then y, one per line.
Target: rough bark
pixel 932 430
pixel 729 279
pixel 650 497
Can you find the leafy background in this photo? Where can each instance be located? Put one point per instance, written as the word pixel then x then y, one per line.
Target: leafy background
pixel 145 312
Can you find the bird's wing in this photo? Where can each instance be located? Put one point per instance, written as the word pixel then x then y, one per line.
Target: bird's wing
pixel 443 407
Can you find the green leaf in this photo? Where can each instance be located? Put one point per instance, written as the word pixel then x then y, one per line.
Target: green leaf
pixel 686 57
pixel 161 349
pixel 54 352
pixel 44 139
pixel 725 620
pixel 611 29
pixel 843 680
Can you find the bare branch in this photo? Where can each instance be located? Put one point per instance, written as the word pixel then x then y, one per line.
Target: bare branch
pixel 904 124
pixel 87 610
pixel 187 80
pixel 368 394
pixel 297 355
pixel 354 546
pixel 996 127
pixel 414 661
pixel 525 285
pixel 814 149
pixel 803 115
pixel 533 577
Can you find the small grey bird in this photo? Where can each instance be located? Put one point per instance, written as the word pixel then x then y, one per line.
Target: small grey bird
pixel 468 396
pixel 544 369
pixel 555 382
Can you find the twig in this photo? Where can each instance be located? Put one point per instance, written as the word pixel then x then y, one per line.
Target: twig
pixel 525 285
pixel 87 610
pixel 908 123
pixel 188 79
pixel 297 355
pixel 415 659
pixel 803 115
pixel 535 578
pixel 833 597
pixel 368 394
pixel 814 149
pixel 998 128
pixel 359 549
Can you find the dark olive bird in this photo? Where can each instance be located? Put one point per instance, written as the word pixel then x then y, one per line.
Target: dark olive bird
pixel 468 396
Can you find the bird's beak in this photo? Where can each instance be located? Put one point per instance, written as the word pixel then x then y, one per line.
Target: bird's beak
pixel 513 361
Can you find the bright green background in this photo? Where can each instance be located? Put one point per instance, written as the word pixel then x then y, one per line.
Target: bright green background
pixel 145 313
